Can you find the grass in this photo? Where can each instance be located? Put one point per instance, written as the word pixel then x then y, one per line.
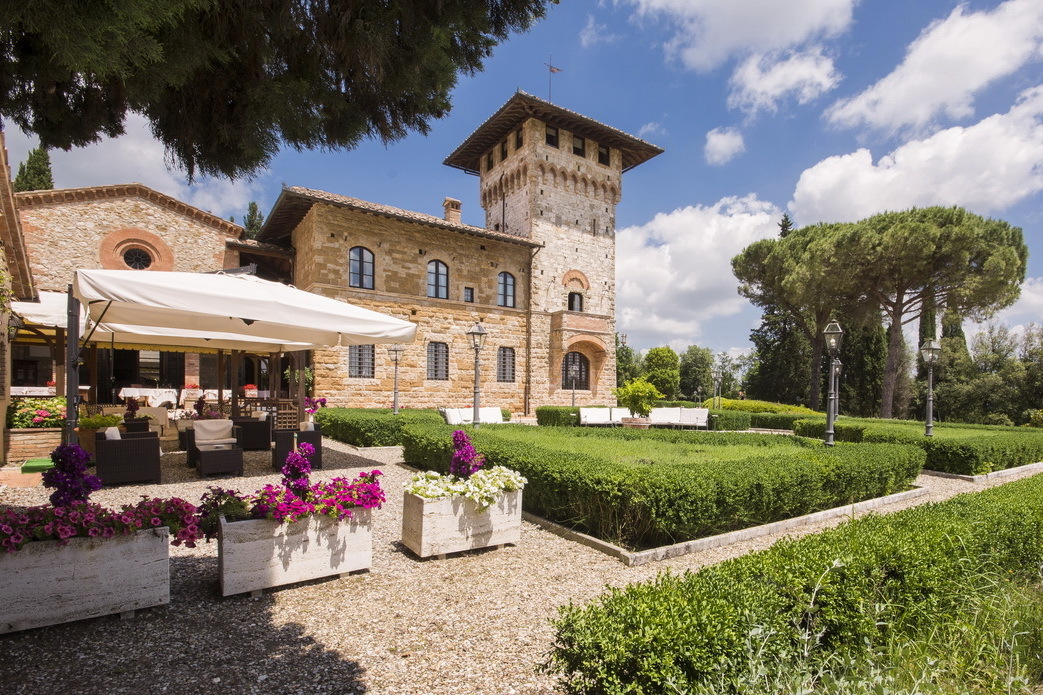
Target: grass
pixel 942 430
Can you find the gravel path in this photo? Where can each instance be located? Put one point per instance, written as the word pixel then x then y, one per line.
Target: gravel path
pixel 476 623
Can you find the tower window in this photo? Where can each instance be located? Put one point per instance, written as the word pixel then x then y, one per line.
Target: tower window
pixel 360 268
pixel 575 301
pixel 603 155
pixel 469 294
pixel 438 361
pixel 489 160
pixel 503 150
pixel 579 146
pixel 437 280
pixel 360 361
pixel 575 371
pixel 518 139
pixel 505 365
pixel 552 136
pixel 505 290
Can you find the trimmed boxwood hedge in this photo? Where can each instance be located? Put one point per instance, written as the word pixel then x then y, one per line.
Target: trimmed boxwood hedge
pixel 996 448
pixel 647 507
pixel 751 406
pixel 557 415
pixel 729 420
pixel 370 426
pixel 850 588
pixel 775 421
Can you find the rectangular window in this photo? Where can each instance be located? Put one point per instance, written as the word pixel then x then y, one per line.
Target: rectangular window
pixel 603 155
pixel 489 160
pixel 518 140
pixel 438 361
pixel 579 146
pixel 503 150
pixel 505 365
pixel 360 361
pixel 469 294
pixel 552 136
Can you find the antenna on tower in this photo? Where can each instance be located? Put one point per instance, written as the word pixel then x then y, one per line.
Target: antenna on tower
pixel 550 74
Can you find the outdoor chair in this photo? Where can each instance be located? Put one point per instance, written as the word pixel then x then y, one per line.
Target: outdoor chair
pixel 665 417
pixel 489 416
pixel 618 414
pixel 254 434
pixel 209 433
pixel 128 457
pixel 284 445
pixel 695 417
pixel 596 417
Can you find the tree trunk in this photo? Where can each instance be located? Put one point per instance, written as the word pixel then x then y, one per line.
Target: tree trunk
pixel 815 383
pixel 895 345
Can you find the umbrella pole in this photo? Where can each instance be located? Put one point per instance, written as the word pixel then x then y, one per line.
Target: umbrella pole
pixel 72 372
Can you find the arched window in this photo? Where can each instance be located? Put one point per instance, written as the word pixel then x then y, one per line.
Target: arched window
pixel 505 289
pixel 437 280
pixel 575 372
pixel 438 361
pixel 137 258
pixel 360 268
pixel 575 301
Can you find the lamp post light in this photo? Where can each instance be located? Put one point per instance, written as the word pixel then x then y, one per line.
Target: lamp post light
pixel 395 350
pixel 834 335
pixel 477 336
pixel 931 351
pixel 573 375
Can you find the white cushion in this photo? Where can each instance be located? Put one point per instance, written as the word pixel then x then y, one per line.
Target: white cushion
pixel 595 416
pixel 307 427
pixel 665 416
pixel 112 433
pixel 490 416
pixel 619 413
pixel 261 414
pixel 210 430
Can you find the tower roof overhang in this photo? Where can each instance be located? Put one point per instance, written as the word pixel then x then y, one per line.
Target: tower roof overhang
pixel 523 106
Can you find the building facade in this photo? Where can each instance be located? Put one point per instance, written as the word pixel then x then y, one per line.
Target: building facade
pixel 539 276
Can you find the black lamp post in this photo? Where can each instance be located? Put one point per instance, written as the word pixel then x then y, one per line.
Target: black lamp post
pixel 573 375
pixel 477 336
pixel 834 335
pixel 395 350
pixel 931 351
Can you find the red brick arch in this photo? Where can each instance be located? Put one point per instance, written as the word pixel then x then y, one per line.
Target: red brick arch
pixel 571 275
pixel 118 242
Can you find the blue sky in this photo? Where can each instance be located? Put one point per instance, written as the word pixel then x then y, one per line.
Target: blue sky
pixel 825 109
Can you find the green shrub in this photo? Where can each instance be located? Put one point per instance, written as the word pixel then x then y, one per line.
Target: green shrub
pixel 36 412
pixel 99 422
pixel 829 601
pixel 759 406
pixel 557 416
pixel 658 503
pixel 775 421
pixel 638 395
pixel 370 426
pixel 733 420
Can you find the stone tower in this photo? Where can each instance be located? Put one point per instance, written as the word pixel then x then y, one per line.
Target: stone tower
pixel 553 176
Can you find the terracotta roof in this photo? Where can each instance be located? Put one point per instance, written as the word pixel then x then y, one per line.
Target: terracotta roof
pixel 294 203
pixel 522 106
pixel 11 234
pixel 31 199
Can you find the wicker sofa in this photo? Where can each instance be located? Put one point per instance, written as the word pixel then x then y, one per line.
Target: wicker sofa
pixel 133 458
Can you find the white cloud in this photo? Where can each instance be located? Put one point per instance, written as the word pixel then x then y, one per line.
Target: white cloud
pixel 674 273
pixel 594 33
pixel 709 32
pixel 985 167
pixel 723 145
pixel 136 157
pixel 1028 308
pixel 652 129
pixel 761 81
pixel 951 61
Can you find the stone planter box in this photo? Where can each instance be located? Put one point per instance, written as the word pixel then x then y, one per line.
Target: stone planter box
pixel 32 443
pixel 449 525
pixel 637 423
pixel 257 554
pixel 46 583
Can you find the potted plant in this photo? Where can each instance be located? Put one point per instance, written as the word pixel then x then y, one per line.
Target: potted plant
pixel 88 425
pixel 292 532
pixel 191 392
pixel 471 507
pixel 250 391
pixel 34 427
pixel 121 557
pixel 639 396
pixel 131 421
pixel 311 406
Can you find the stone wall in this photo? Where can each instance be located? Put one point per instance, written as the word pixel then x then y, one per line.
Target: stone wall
pixel 31 443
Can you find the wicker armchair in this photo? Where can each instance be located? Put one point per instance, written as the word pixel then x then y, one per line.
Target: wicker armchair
pixel 134 458
pixel 284 445
pixel 209 432
pixel 254 434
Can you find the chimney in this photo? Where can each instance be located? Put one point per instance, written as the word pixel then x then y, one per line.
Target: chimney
pixel 452 210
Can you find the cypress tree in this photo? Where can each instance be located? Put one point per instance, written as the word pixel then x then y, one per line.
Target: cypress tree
pixel 34 174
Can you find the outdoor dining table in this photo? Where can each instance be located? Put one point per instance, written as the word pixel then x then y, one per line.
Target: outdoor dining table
pixel 153 397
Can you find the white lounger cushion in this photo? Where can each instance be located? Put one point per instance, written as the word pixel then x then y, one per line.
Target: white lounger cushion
pixel 665 416
pixel 595 416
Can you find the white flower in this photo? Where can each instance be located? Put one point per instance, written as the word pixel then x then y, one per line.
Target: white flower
pixel 483 487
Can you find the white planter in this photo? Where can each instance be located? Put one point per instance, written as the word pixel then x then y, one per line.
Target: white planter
pixel 449 525
pixel 256 554
pixel 46 583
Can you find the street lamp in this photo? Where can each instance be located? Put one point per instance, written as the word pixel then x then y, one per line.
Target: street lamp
pixel 477 336
pixel 834 336
pixel 573 375
pixel 395 350
pixel 931 351
pixel 718 376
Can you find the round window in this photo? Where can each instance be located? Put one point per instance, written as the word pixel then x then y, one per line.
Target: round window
pixel 136 258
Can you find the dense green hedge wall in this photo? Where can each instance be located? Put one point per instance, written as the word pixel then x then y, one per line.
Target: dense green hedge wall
pixel 557 415
pixel 729 420
pixel 775 421
pixel 370 426
pixel 758 406
pixel 996 448
pixel 641 507
pixel 847 587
